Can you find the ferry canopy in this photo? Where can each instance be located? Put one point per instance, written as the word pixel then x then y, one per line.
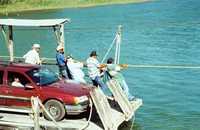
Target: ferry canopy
pixel 33 23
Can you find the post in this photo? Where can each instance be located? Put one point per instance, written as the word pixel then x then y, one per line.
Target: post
pixel 10 43
pixel 56 35
pixel 5 36
pixel 118 44
pixel 35 108
pixel 62 37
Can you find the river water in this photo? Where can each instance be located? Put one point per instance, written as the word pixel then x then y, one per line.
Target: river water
pixel 164 32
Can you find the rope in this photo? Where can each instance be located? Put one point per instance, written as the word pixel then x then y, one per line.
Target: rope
pixel 132 65
pixel 17 57
pixel 166 66
pixel 133 120
pixel 42 106
pixel 37 101
pixel 109 49
pixel 90 115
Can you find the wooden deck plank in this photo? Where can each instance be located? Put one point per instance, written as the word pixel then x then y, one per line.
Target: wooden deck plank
pixel 26 121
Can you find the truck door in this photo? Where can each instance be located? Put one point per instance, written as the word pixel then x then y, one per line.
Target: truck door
pixel 2 88
pixel 18 94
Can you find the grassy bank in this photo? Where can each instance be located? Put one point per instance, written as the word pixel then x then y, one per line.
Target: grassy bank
pixel 30 5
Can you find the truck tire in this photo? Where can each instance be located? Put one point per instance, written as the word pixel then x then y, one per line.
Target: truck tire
pixel 56 109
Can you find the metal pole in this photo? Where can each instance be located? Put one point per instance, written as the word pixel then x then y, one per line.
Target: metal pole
pixel 5 37
pixel 56 35
pixel 35 107
pixel 118 43
pixel 62 38
pixel 10 43
pixel 4 34
pixel 116 51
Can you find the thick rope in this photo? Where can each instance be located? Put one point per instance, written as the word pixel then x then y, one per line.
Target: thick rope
pixel 109 49
pixel 133 120
pixel 166 66
pixel 135 65
pixel 90 115
pixel 42 106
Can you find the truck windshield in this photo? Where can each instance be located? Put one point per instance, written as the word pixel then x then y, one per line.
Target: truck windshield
pixel 43 76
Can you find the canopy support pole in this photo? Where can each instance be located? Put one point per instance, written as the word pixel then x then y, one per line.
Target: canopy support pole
pixel 60 35
pixel 4 35
pixel 56 34
pixel 9 41
pixel 62 38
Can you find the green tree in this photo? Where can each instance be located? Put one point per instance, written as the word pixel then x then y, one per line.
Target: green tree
pixel 4 2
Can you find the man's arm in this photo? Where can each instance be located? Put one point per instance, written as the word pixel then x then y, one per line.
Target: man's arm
pixel 38 61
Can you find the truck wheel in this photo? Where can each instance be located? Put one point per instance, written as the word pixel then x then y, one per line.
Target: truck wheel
pixel 56 109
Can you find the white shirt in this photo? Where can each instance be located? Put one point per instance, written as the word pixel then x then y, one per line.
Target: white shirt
pixel 17 84
pixel 32 57
pixel 76 70
pixel 113 69
pixel 93 70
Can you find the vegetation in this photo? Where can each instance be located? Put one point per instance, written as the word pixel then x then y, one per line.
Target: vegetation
pixel 10 6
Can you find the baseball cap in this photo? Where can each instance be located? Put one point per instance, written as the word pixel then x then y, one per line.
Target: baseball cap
pixel 36 45
pixel 59 47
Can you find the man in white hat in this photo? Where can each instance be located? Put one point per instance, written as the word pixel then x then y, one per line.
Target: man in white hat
pixel 32 56
pixel 61 61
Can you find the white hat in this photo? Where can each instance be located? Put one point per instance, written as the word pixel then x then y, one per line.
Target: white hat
pixel 36 45
pixel 59 47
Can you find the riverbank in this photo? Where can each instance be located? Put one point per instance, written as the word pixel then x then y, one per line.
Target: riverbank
pixel 32 5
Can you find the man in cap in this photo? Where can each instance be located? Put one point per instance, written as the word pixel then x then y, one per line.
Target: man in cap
pixel 61 61
pixel 32 56
pixel 94 70
pixel 114 73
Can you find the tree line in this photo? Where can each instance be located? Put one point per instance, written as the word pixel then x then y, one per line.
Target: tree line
pixel 4 2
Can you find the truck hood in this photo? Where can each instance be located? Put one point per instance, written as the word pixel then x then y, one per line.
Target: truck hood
pixel 69 88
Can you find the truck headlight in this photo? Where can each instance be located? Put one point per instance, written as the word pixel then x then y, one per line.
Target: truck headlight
pixel 80 99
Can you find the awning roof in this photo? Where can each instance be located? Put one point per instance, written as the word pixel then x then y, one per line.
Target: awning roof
pixel 33 22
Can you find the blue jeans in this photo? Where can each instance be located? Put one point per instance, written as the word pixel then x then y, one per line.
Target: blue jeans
pixel 126 89
pixel 121 80
pixel 63 72
pixel 97 81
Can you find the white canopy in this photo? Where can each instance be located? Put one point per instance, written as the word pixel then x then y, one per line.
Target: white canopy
pixel 33 22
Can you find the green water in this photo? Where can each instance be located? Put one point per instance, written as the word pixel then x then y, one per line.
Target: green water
pixel 161 32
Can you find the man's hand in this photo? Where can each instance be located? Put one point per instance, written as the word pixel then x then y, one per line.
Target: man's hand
pixel 101 66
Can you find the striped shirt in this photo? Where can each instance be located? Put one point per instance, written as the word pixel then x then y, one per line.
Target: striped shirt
pixel 93 64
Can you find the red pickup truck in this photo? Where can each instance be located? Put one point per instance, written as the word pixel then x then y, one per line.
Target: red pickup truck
pixel 60 97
